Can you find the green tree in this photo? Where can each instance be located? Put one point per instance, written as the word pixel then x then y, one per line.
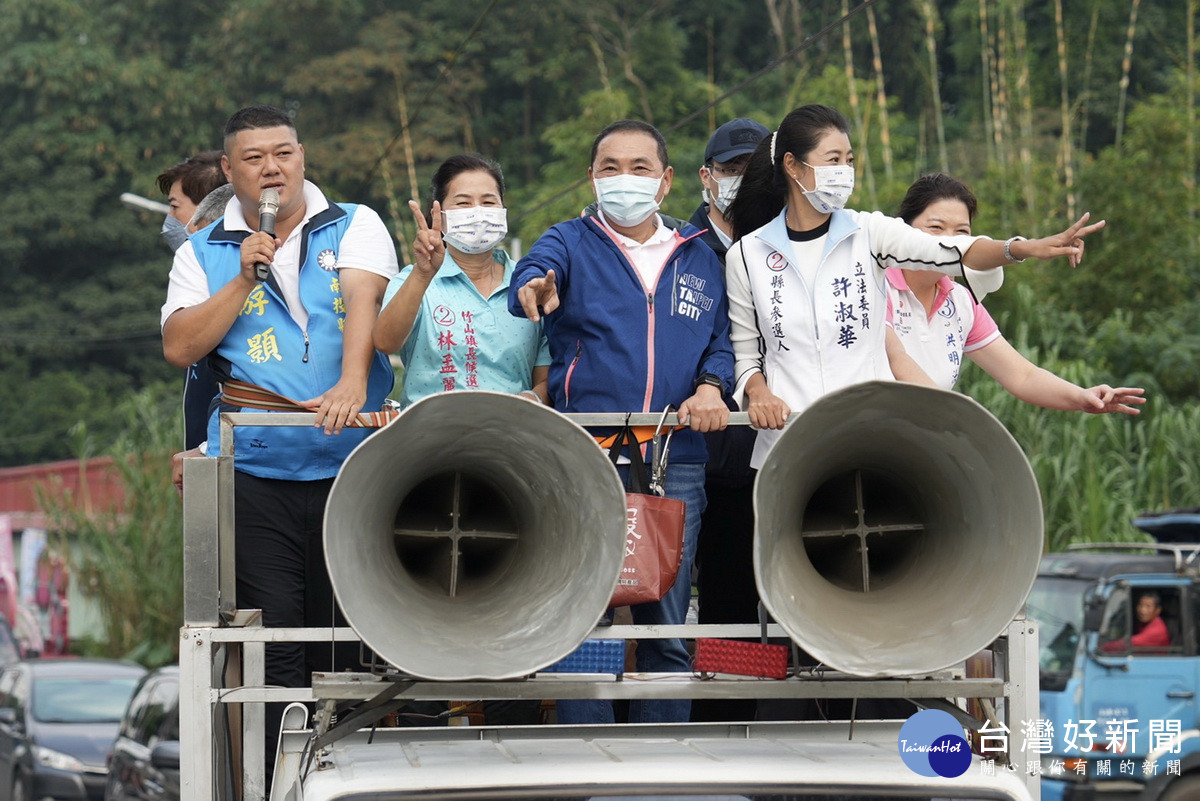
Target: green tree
pixel 131 561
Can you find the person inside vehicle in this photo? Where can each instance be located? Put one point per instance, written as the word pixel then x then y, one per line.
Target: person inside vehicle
pixel 1151 630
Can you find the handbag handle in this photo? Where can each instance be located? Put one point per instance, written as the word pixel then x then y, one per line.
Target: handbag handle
pixel 638 480
pixel 658 469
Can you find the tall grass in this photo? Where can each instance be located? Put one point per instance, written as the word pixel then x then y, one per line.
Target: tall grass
pixel 1097 472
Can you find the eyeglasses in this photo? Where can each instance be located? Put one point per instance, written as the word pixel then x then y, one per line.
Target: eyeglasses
pixel 726 172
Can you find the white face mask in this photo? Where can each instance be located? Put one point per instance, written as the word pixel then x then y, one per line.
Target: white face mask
pixel 628 200
pixel 727 189
pixel 834 185
pixel 475 230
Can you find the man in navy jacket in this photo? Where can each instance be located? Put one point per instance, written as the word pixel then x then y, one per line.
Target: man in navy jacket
pixel 635 313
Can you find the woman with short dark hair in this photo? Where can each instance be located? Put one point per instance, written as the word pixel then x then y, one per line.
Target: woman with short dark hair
pixel 447 314
pixel 939 323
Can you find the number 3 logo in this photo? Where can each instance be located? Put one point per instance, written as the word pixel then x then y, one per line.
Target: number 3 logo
pixel 442 315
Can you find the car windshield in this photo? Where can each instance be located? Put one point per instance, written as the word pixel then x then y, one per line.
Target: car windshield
pixel 1057 605
pixel 81 699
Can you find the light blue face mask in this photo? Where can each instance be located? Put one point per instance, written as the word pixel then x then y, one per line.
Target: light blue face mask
pixel 174 233
pixel 628 200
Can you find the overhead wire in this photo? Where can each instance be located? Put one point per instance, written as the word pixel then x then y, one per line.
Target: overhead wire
pixel 421 105
pixel 770 67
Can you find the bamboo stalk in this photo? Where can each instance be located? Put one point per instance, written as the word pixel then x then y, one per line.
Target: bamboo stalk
pixel 1190 146
pixel 797 23
pixel 856 112
pixel 395 211
pixel 1001 95
pixel 1126 66
pixel 601 65
pixel 1025 95
pixel 1088 60
pixel 776 26
pixel 409 159
pixel 1067 156
pixel 885 126
pixel 929 13
pixel 987 77
pixel 848 68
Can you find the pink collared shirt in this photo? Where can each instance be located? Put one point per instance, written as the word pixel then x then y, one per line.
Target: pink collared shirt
pixel 939 337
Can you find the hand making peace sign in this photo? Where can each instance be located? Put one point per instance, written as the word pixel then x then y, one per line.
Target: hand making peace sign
pixel 1066 243
pixel 428 249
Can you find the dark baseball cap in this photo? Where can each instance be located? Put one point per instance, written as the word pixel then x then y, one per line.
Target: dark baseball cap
pixel 734 138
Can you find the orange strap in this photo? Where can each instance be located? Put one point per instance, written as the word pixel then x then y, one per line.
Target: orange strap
pixel 241 393
pixel 643 433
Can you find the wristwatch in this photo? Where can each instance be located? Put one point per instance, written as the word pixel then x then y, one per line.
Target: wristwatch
pixel 711 380
pixel 1008 249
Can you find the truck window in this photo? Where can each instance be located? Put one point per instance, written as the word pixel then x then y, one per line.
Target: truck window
pixel 1056 603
pixel 1143 621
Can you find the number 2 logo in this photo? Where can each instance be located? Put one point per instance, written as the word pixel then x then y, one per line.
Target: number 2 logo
pixel 776 261
pixel 442 315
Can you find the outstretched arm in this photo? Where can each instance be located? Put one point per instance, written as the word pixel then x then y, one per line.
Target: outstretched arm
pixel 539 296
pixel 1032 384
pixel 987 253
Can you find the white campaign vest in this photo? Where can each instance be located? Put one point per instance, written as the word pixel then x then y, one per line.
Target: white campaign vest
pixel 821 327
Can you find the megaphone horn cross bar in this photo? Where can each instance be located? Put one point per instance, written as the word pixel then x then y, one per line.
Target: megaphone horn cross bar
pixel 480 536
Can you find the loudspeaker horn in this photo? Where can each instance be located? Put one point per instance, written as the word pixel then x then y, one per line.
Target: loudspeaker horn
pixel 898 529
pixel 477 536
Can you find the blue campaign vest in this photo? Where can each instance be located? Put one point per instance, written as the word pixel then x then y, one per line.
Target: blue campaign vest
pixel 265 346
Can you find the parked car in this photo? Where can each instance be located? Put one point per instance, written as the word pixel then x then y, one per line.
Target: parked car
pixel 58 720
pixel 144 765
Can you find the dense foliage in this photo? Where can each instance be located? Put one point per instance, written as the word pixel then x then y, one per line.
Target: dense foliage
pixel 1048 109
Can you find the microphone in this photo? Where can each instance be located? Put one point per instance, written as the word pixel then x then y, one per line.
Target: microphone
pixel 268 207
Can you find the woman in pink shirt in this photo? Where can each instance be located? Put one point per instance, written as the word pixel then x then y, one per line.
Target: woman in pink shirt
pixel 939 322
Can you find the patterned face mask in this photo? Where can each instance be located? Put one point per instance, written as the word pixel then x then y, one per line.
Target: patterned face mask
pixel 835 183
pixel 475 230
pixel 727 189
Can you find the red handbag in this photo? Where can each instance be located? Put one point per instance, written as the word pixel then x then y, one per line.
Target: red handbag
pixel 653 529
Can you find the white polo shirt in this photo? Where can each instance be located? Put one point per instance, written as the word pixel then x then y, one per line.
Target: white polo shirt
pixel 366 245
pixel 647 257
pixel 937 339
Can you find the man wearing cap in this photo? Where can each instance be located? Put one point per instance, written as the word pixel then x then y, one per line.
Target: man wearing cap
pixel 725 158
pixel 724 555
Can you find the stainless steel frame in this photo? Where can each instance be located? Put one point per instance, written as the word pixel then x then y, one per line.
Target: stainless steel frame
pixel 217 635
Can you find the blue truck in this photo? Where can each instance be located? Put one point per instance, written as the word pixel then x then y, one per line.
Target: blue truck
pixel 1118 689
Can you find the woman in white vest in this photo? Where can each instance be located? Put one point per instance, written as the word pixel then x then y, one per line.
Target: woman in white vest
pixel 807 293
pixel 939 322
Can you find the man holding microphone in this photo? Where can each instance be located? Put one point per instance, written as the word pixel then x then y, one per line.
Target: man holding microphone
pixel 291 313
